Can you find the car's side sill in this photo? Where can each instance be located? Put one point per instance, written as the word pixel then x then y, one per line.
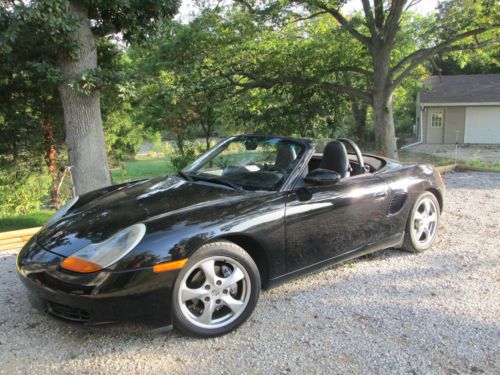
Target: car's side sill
pixel 393 241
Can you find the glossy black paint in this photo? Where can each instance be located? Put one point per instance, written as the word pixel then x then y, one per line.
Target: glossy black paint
pixel 295 230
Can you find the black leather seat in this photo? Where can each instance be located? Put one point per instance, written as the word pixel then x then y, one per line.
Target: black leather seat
pixel 335 158
pixel 284 158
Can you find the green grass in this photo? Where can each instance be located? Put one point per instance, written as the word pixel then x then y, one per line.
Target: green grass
pixel 35 219
pixel 437 161
pixel 417 157
pixel 479 164
pixel 142 168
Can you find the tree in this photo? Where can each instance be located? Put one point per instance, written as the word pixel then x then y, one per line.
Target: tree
pixel 31 121
pixel 377 34
pixel 178 94
pixel 73 29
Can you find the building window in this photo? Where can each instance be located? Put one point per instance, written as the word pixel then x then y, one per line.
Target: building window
pixel 437 119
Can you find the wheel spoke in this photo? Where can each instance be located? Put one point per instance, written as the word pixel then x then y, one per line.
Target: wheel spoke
pixel 188 294
pixel 432 217
pixel 208 269
pixel 236 276
pixel 427 233
pixel 234 304
pixel 208 312
pixel 420 231
pixel 419 215
pixel 427 208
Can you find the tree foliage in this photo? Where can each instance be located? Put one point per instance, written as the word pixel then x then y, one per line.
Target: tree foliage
pixel 290 67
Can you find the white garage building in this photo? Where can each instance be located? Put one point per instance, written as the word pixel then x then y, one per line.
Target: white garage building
pixel 461 108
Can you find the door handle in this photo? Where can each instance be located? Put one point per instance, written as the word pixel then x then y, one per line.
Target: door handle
pixel 380 194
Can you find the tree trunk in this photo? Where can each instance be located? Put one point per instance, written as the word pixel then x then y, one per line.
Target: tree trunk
pixel 385 136
pixel 207 141
pixel 179 140
pixel 359 111
pixel 207 128
pixel 82 112
pixel 50 158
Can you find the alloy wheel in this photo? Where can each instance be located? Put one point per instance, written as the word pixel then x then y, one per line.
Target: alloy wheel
pixel 214 292
pixel 425 222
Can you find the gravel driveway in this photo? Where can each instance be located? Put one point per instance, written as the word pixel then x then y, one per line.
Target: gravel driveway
pixel 392 312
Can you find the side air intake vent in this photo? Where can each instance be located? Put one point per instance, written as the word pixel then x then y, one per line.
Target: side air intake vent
pixel 397 202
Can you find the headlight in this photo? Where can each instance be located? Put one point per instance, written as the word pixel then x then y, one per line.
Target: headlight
pixel 62 211
pixel 98 256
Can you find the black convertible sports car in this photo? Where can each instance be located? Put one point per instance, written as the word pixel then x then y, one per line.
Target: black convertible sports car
pixel 195 249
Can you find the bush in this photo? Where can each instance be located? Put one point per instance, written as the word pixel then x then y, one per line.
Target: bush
pixel 181 160
pixel 21 194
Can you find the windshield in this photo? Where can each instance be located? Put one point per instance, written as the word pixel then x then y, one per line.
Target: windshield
pixel 250 163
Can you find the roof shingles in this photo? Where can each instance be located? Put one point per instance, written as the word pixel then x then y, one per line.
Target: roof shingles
pixel 477 88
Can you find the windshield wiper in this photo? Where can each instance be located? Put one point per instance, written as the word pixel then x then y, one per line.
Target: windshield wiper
pixel 218 181
pixel 185 176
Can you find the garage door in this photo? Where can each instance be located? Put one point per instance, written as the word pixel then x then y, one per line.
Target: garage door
pixel 482 125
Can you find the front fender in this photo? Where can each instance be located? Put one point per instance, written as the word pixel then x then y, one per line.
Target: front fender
pixel 172 237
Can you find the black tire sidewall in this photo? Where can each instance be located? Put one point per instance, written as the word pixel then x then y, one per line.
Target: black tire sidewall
pixel 410 242
pixel 226 249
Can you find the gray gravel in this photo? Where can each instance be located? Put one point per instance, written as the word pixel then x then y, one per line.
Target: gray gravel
pixel 392 312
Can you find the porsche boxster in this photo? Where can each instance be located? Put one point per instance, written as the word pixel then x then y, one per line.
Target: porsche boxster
pixel 194 249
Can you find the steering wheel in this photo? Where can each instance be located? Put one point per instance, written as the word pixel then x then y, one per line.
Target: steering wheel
pixel 357 151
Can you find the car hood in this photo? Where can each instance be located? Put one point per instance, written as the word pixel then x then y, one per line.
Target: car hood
pixel 96 220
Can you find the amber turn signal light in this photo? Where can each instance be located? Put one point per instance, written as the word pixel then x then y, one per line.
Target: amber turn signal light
pixel 80 265
pixel 170 266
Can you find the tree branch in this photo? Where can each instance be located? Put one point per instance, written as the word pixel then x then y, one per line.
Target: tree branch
pixel 432 51
pixel 423 54
pixel 393 18
pixel 268 83
pixel 370 21
pixel 354 69
pixel 344 22
pixel 378 6
pixel 314 15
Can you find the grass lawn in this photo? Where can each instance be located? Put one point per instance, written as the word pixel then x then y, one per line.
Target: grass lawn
pixel 418 157
pixel 142 168
pixel 437 161
pixel 35 219
pixel 133 170
pixel 479 164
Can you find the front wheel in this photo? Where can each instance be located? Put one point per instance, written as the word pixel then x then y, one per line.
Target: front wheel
pixel 422 224
pixel 216 291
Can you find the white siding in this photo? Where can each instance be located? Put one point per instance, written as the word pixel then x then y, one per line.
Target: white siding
pixel 482 125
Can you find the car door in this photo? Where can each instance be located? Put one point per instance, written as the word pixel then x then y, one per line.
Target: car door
pixel 324 222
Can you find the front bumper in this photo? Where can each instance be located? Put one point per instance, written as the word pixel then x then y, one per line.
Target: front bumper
pixel 101 297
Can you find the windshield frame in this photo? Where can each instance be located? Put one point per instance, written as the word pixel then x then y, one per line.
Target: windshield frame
pixel 221 146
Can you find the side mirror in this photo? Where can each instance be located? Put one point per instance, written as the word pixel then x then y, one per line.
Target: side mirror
pixel 322 177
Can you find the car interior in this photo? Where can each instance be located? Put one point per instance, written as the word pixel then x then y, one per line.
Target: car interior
pixel 336 158
pixel 263 170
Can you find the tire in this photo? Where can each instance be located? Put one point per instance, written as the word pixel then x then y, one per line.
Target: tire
pixel 203 308
pixel 418 218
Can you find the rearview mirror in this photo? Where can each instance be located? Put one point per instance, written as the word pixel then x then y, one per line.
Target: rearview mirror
pixel 250 146
pixel 322 177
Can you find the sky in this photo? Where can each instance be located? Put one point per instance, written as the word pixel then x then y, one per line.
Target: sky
pixel 188 8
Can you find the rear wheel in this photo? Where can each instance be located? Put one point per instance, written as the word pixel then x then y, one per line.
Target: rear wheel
pixel 422 224
pixel 216 291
